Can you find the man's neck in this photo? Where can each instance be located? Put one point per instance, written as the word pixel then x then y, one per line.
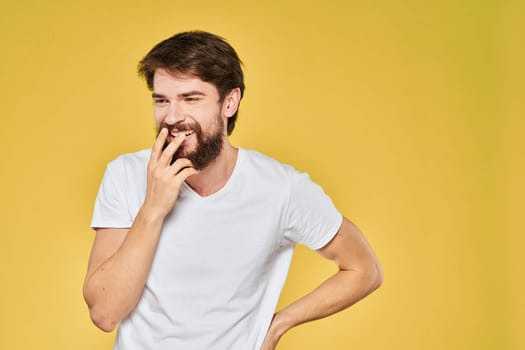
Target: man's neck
pixel 212 178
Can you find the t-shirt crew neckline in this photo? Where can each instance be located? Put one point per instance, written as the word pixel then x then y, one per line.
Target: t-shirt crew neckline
pixel 224 189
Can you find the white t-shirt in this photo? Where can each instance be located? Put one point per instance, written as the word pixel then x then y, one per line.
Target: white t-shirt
pixel 222 260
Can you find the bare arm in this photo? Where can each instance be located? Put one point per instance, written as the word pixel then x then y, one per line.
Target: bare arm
pixel 121 259
pixel 359 274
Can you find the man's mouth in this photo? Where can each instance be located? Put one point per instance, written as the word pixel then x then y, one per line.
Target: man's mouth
pixel 185 132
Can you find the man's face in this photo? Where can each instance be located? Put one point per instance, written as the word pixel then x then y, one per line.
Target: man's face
pixel 184 103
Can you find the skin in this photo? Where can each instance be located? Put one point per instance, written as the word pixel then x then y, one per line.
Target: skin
pixel 358 275
pixel 121 258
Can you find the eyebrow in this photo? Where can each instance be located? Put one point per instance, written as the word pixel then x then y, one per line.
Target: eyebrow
pixel 184 94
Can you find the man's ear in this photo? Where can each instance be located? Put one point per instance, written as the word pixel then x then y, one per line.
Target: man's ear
pixel 231 103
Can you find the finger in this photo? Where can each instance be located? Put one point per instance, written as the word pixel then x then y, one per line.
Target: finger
pixel 185 173
pixel 169 151
pixel 180 164
pixel 159 143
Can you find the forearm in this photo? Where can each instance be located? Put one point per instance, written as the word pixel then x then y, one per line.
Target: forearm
pixel 113 289
pixel 120 264
pixel 340 291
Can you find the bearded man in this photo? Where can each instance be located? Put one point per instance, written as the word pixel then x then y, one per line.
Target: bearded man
pixel 194 237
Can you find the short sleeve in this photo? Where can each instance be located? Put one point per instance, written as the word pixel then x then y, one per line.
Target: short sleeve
pixel 111 208
pixel 312 218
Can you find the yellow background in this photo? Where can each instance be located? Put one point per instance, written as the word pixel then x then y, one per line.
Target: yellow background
pixel 409 113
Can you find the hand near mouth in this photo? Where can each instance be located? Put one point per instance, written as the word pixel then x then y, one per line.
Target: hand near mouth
pixel 164 177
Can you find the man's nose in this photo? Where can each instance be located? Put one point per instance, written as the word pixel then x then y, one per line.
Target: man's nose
pixel 174 114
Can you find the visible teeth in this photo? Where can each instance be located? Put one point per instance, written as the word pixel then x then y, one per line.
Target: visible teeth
pixel 186 133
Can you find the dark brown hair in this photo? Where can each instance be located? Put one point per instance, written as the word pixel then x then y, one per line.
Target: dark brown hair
pixel 201 54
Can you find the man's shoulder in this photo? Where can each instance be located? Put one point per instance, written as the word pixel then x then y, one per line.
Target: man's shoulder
pixel 129 165
pixel 266 165
pixel 138 158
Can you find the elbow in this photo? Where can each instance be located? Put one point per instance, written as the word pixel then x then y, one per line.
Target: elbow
pixel 99 314
pixel 103 321
pixel 376 275
pixel 379 277
pixel 369 275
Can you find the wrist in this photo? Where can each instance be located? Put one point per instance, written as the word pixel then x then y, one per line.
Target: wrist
pixel 150 214
pixel 280 325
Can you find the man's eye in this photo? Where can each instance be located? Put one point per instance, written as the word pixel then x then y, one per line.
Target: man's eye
pixel 160 101
pixel 191 99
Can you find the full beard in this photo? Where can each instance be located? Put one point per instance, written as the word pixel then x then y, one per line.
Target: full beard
pixel 208 147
